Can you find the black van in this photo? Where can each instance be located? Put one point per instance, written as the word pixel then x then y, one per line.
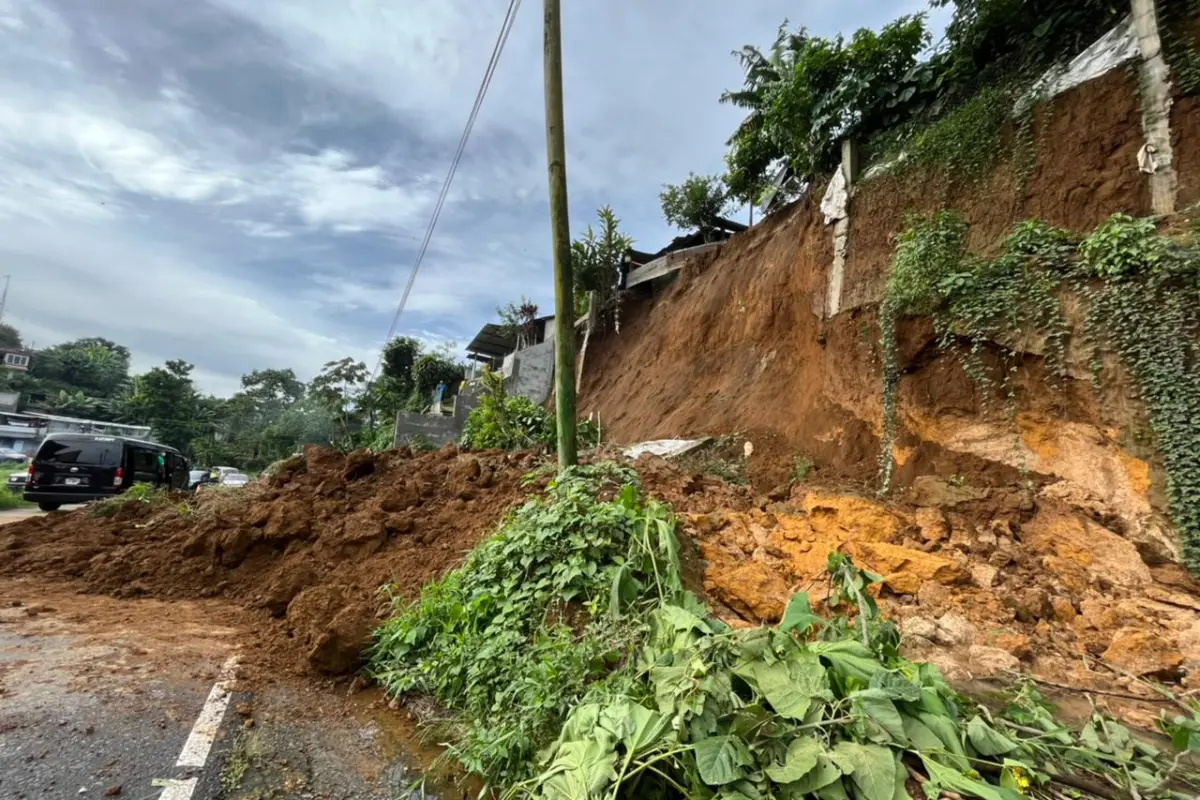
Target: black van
pixel 78 467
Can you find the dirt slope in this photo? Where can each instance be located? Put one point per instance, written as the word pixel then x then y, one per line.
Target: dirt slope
pixel 739 342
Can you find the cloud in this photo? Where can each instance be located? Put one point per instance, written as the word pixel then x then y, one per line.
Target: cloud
pixel 246 183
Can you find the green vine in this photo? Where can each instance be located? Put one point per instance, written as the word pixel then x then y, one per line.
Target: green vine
pixel 1178 26
pixel 1142 292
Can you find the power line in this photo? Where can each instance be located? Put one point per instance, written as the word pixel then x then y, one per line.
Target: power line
pixel 505 29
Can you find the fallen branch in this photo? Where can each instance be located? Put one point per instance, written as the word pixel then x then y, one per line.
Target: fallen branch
pixel 1082 690
pixel 1166 693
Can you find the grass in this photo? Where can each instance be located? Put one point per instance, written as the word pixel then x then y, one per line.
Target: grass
pixel 10 500
pixel 801 467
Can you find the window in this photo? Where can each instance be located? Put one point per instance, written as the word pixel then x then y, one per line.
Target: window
pixel 100 454
pixel 15 360
pixel 143 461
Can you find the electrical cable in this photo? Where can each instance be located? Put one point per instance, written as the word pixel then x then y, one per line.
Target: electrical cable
pixel 505 29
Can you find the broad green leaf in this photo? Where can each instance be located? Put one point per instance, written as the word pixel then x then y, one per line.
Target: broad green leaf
pixel 986 740
pixel 799 616
pixel 634 725
pixel 950 778
pixel 744 788
pixel 825 773
pixel 790 686
pixel 833 791
pixel 901 791
pixel 625 589
pixel 897 686
pixel 681 619
pixel 801 759
pixel 752 721
pixel 754 643
pixel 872 769
pixel 580 771
pixel 920 737
pixel 945 730
pixel 849 659
pixel 581 723
pixel 720 759
pixel 878 708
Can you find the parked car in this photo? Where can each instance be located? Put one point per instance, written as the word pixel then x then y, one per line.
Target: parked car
pixel 196 478
pixel 79 467
pixel 16 482
pixel 10 456
pixel 234 479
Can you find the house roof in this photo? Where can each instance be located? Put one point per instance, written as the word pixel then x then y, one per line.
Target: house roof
pixel 492 341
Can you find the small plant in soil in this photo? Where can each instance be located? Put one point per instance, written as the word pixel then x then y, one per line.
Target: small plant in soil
pixel 801 467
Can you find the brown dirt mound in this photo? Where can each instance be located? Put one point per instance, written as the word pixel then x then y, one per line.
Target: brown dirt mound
pixel 309 547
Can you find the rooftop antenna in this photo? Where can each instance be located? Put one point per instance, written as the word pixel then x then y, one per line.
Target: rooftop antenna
pixel 4 297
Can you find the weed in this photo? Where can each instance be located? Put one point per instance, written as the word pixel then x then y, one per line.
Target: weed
pixel 146 493
pixel 576 667
pixel 239 760
pixel 514 422
pixel 801 467
pixel 537 614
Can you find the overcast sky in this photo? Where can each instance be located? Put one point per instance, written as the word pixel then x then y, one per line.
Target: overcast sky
pixel 244 183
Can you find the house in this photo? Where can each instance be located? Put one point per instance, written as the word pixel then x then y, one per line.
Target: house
pixel 641 267
pixel 15 360
pixel 493 344
pixel 19 432
pixel 23 432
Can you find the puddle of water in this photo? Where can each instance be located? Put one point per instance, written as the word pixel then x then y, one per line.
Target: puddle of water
pixel 410 753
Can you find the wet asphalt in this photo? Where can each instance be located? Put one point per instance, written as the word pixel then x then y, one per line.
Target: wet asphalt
pixel 111 736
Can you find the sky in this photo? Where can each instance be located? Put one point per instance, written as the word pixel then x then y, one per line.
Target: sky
pixel 245 184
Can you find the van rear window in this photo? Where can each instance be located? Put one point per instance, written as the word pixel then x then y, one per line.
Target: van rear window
pixel 101 454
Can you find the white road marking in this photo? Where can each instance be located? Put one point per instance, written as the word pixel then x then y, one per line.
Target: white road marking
pixel 179 790
pixel 204 732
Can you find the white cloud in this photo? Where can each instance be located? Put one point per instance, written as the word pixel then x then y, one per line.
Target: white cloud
pixel 177 187
pixel 96 282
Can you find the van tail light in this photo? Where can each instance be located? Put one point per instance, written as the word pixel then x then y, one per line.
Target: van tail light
pixel 32 474
pixel 118 476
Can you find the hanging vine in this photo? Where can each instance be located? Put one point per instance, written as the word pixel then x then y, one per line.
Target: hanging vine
pixel 1142 292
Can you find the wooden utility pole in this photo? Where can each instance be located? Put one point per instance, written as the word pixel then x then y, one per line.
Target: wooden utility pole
pixel 560 230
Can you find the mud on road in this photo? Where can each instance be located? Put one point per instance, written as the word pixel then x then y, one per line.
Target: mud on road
pixel 98 697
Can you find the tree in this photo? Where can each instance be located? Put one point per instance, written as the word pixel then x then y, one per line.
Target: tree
pixel 810 93
pixel 596 261
pixel 165 399
pixel 10 338
pixel 695 204
pixel 430 370
pixel 752 153
pixel 96 366
pixel 398 358
pixel 518 321
pixel 338 389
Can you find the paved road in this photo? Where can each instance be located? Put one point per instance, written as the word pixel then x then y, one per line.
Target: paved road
pixel 17 514
pixel 99 695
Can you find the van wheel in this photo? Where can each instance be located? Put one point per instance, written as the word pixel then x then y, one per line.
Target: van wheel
pixel 49 506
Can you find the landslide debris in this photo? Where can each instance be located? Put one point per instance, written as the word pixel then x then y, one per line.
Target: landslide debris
pixel 984 581
pixel 307 549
